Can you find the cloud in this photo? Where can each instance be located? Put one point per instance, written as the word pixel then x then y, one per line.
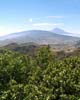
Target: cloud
pixel 36 18
pixel 48 24
pixel 33 19
pixel 30 20
pixel 55 17
pixel 45 17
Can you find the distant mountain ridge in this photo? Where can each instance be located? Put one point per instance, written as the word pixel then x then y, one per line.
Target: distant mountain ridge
pixel 61 32
pixel 41 37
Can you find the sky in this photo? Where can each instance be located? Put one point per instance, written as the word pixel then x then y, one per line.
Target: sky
pixel 22 15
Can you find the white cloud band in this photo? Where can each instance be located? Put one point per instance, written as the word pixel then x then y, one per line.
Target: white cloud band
pixel 48 24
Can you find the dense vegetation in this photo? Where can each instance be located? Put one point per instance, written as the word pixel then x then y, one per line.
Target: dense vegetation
pixel 42 77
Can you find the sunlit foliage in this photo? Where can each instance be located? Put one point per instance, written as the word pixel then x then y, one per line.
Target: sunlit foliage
pixel 42 77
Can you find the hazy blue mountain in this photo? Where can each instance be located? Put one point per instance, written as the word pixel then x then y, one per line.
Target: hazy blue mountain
pixel 61 32
pixel 37 36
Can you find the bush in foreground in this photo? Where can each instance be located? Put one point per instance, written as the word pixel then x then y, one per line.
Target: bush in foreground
pixel 40 78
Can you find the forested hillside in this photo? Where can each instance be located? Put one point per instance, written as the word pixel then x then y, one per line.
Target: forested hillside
pixel 42 77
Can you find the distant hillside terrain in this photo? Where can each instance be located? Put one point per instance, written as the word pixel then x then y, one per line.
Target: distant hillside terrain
pixel 27 48
pixel 39 37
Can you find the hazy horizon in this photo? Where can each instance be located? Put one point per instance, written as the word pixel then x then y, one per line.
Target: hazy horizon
pixel 23 15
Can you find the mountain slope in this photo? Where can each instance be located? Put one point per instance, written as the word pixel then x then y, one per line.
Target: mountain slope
pixel 37 36
pixel 61 32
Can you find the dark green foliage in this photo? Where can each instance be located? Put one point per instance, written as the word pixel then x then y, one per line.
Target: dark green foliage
pixel 40 78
